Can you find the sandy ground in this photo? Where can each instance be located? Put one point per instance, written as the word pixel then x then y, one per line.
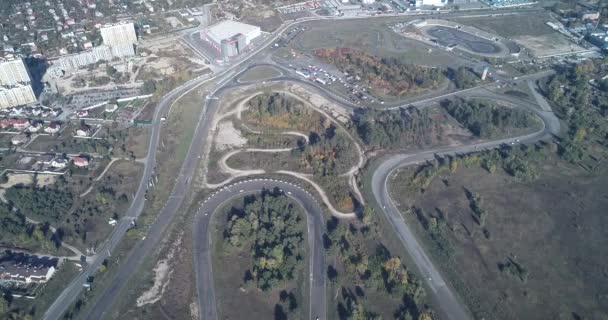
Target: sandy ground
pixel 162 276
pixel 164 59
pixel 547 45
pixel 319 102
pixel 228 136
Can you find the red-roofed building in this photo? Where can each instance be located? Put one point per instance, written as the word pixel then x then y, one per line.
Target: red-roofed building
pixel 21 124
pixel 53 127
pixel 80 161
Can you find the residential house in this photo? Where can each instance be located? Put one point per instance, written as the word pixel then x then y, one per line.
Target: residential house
pixel 53 127
pixel 80 162
pixel 5 123
pixel 21 124
pixel 35 127
pixel 20 139
pixel 82 113
pixel 24 268
pixel 83 131
pixel 59 163
pixel 45 159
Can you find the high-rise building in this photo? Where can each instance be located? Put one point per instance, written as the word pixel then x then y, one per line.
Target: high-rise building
pixel 118 34
pixel 15 84
pixel 13 72
pixel 16 96
pixel 82 59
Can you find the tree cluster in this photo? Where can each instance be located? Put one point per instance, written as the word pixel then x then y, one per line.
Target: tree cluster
pixel 389 75
pixel 463 77
pixel 397 128
pixel 374 266
pixel 272 229
pixel 583 106
pixel 16 232
pixel 487 119
pixel 49 204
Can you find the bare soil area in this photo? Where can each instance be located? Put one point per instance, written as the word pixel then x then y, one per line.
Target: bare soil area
pixel 529 30
pixel 542 253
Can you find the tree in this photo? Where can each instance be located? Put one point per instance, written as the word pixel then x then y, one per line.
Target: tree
pixel 111 71
pixel 149 86
pixel 3 307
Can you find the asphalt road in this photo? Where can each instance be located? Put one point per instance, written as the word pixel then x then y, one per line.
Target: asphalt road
pixel 450 36
pixel 136 256
pixel 202 246
pixel 451 306
pixel 71 292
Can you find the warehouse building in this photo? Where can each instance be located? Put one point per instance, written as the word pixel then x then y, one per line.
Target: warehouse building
pixel 230 38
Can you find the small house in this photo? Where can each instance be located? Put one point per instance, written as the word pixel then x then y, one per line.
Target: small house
pixel 80 162
pixel 19 139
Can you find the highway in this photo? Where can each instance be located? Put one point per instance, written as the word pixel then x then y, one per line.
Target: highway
pixel 450 305
pixel 135 257
pixel 182 186
pixel 72 291
pixel 202 238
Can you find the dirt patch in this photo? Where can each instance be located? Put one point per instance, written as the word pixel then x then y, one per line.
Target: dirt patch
pixel 337 111
pixel 27 179
pixel 228 137
pixel 162 277
pixel 538 255
pixel 529 30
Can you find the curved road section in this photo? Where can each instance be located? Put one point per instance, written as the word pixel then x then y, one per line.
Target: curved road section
pixel 202 246
pixel 451 306
pixel 71 292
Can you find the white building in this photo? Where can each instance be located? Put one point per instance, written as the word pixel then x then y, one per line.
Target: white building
pixel 15 83
pixel 13 72
pixel 230 38
pixel 16 96
pixel 228 29
pixel 118 34
pixel 101 53
pixel 22 268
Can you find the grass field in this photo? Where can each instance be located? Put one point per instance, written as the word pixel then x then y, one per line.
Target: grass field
pixel 235 300
pixel 540 252
pixel 374 37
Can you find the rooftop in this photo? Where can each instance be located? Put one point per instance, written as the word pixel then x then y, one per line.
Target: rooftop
pixel 228 28
pixel 24 265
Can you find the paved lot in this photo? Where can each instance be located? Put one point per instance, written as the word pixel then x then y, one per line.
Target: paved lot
pixel 450 36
